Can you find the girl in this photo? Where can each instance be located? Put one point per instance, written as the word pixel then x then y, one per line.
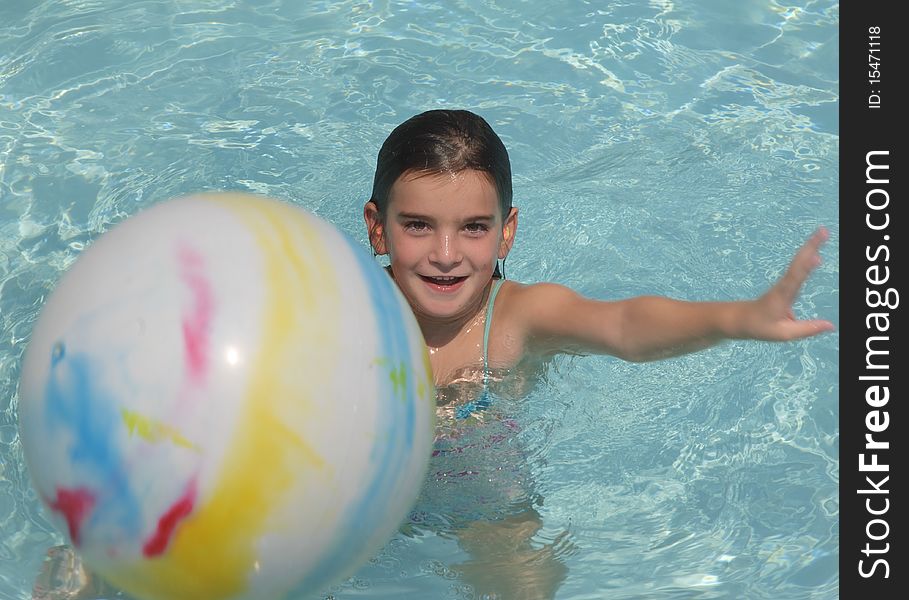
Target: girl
pixel 441 209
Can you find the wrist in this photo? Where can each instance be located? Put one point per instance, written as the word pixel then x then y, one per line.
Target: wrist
pixel 734 322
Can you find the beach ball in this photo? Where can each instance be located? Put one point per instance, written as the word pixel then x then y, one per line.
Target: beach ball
pixel 224 397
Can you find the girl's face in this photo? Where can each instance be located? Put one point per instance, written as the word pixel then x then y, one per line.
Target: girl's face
pixel 443 234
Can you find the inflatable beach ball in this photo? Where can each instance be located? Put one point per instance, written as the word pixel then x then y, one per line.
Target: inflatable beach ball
pixel 225 398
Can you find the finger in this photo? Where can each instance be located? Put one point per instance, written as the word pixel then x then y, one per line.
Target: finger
pixel 804 261
pixel 795 330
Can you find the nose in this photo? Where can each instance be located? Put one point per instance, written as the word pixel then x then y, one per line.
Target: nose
pixel 446 252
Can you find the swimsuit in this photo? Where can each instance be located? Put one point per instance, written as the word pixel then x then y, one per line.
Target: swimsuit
pixel 483 458
pixel 482 403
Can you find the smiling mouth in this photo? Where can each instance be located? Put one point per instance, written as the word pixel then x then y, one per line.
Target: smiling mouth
pixel 443 281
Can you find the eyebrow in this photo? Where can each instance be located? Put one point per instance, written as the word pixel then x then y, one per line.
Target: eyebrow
pixel 419 217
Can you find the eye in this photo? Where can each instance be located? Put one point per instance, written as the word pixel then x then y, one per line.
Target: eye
pixel 476 228
pixel 416 226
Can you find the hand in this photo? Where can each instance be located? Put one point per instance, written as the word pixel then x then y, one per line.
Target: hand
pixel 771 317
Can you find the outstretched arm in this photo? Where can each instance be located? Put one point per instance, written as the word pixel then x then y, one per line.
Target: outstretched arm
pixel 651 327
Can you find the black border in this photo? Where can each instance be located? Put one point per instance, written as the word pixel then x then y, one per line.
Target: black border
pixel 862 130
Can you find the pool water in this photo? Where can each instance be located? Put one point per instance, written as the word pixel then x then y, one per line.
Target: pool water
pixel 677 148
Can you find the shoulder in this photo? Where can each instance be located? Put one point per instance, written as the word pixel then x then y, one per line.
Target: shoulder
pixel 540 298
pixel 533 308
pixel 552 318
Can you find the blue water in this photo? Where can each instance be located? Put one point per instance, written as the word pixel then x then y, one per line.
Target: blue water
pixel 680 148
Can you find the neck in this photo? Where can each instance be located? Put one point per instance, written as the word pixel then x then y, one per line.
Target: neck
pixel 438 332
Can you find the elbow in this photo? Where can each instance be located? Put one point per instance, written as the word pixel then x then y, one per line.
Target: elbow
pixel 643 354
pixel 636 356
pixel 632 354
pixel 628 346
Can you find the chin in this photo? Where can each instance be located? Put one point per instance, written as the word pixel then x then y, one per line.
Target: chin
pixel 442 307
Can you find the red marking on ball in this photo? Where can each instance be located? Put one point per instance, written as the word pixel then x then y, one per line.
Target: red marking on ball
pixel 75 505
pixel 167 524
pixel 196 325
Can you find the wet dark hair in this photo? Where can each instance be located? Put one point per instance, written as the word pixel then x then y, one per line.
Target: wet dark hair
pixel 442 141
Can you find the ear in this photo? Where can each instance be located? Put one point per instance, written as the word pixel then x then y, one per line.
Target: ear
pixel 509 229
pixel 375 227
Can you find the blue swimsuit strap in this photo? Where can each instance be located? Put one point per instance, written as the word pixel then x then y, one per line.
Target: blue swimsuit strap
pixel 489 306
pixel 465 410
